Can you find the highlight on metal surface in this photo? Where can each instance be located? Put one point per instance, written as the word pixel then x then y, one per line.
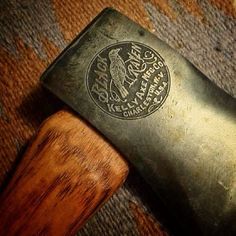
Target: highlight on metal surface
pixel 175 126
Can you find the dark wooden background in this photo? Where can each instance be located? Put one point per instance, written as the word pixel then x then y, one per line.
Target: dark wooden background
pixel 33 33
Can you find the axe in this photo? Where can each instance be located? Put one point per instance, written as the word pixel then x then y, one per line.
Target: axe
pixel 162 114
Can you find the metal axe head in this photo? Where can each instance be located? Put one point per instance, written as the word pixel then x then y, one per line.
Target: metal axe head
pixel 175 126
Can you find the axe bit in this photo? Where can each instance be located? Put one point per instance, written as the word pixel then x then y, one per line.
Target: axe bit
pixel 164 116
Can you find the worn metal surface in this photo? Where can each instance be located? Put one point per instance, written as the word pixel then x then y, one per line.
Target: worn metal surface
pixel 186 148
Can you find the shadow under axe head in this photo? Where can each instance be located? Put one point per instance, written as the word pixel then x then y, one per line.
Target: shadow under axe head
pixel 175 126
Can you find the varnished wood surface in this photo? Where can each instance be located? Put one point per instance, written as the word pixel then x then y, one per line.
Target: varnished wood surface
pixel 67 173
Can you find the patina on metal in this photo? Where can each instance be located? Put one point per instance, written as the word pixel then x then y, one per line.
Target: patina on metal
pixel 175 126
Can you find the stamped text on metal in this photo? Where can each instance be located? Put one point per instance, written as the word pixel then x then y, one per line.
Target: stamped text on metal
pixel 128 80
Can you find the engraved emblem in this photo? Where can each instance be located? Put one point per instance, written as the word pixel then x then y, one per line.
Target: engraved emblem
pixel 128 80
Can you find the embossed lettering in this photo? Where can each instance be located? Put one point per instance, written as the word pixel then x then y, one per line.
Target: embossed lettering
pixel 128 80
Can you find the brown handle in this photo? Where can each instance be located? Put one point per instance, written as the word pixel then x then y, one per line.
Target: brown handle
pixel 66 174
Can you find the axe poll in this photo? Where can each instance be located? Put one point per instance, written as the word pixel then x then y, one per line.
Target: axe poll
pixel 161 113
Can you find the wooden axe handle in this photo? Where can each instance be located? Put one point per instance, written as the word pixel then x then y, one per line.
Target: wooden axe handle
pixel 67 173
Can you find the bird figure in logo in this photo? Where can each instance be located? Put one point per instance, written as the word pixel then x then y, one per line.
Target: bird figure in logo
pixel 118 72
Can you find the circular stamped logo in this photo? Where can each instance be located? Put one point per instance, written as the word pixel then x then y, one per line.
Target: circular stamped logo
pixel 128 80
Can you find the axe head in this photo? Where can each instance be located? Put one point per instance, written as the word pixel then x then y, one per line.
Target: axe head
pixel 175 126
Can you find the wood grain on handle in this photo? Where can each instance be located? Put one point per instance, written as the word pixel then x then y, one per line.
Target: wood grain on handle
pixel 68 171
